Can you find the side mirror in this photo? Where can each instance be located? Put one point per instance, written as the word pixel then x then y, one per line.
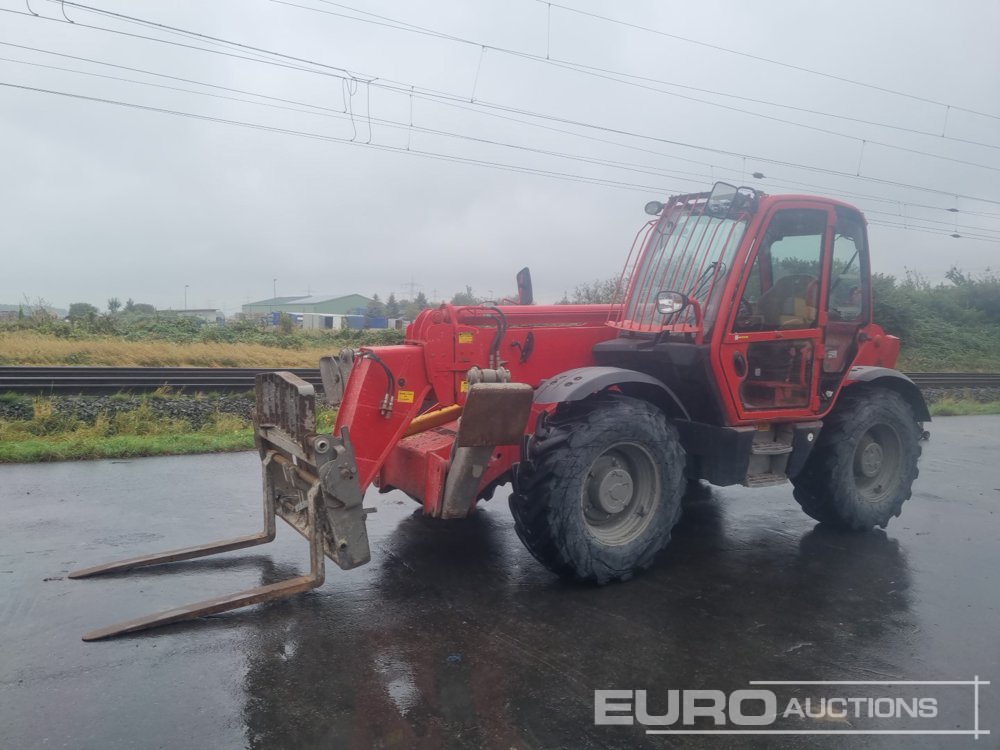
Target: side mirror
pixel 524 293
pixel 671 303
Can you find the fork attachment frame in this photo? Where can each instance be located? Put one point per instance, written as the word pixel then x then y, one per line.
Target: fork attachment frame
pixel 310 481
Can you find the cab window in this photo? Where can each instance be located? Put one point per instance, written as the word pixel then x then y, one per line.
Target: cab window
pixel 846 297
pixel 782 288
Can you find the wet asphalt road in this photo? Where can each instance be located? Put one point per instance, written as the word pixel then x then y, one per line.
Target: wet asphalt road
pixel 455 637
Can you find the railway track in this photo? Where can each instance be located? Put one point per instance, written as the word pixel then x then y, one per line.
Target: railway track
pixel 955 379
pixel 104 380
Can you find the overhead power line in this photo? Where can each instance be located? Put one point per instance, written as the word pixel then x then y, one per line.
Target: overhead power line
pixel 351 142
pixel 314 109
pixel 318 110
pixel 616 76
pixel 721 151
pixel 781 63
pixel 941 233
pixel 412 90
pixel 431 94
pixel 671 173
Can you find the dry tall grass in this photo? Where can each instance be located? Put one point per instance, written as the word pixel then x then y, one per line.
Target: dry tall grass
pixel 29 348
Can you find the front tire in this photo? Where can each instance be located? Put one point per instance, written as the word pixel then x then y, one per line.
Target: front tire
pixel 600 489
pixel 865 461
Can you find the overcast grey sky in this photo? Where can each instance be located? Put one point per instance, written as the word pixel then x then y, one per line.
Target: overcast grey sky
pixel 101 200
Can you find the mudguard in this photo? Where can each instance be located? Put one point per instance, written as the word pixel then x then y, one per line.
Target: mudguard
pixel 581 382
pixel 886 377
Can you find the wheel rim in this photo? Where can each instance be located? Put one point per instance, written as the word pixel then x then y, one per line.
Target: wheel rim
pixel 876 463
pixel 620 494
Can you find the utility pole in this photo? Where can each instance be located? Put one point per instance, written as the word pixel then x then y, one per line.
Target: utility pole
pixel 185 296
pixel 274 288
pixel 412 286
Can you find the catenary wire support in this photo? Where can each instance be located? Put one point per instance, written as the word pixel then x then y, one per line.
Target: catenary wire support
pixel 861 155
pixel 479 66
pixel 349 104
pixel 368 109
pixel 409 131
pixel 548 30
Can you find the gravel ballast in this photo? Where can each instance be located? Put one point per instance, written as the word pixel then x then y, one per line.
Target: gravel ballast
pixel 199 410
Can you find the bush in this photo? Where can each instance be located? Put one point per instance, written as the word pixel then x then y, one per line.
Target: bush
pixel 954 325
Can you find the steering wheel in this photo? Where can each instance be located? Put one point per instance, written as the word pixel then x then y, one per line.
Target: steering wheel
pixel 746 319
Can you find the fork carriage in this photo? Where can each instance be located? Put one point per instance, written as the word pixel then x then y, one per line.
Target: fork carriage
pixel 310 482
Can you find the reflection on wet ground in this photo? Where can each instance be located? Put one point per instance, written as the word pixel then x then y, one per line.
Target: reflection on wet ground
pixel 454 636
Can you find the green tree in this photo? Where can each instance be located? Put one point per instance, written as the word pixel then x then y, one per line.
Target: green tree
pixel 468 297
pixel 392 308
pixel 598 292
pixel 980 293
pixel 82 311
pixel 375 309
pixel 114 305
pixel 410 309
pixel 893 306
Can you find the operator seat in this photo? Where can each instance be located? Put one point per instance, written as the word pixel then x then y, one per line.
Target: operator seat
pixel 790 303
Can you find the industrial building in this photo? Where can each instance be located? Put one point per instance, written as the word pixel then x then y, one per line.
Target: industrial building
pixel 349 304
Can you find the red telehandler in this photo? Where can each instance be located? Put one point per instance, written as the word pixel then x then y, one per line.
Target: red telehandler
pixel 740 349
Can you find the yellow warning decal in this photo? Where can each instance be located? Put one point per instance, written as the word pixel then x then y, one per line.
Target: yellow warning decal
pixel 405 397
pixel 464 387
pixel 465 338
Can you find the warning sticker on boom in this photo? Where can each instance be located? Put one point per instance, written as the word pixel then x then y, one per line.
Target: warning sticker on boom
pixel 465 338
pixel 405 397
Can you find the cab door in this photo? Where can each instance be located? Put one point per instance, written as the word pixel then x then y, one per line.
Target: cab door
pixel 772 350
pixel 849 300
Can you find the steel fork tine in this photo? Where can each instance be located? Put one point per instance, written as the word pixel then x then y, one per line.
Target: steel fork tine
pixel 186 553
pixel 231 601
pixel 202 550
pixel 209 607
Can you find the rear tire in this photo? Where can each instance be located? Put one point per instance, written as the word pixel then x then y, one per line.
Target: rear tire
pixel 600 488
pixel 865 461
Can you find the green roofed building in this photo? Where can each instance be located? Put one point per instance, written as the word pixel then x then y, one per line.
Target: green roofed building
pixel 349 304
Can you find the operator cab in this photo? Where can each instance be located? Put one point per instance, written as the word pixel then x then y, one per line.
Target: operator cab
pixel 750 307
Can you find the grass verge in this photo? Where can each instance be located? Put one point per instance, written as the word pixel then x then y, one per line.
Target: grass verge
pixel 963 407
pixel 30 348
pixel 122 446
pixel 154 342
